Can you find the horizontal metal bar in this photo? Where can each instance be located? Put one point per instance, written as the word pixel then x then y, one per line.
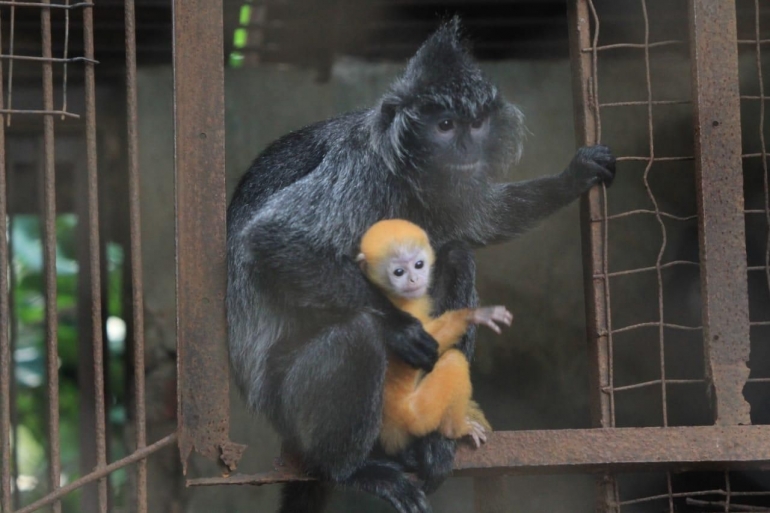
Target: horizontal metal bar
pixel 619 450
pixel 41 112
pixel 648 269
pixel 634 45
pixel 35 58
pixel 753 41
pixel 642 158
pixel 98 474
pixel 41 5
pixel 654 382
pixel 656 323
pixel 645 211
pixel 588 451
pixel 645 103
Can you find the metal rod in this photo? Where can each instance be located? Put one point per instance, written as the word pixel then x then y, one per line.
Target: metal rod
pixel 593 206
pixel 11 42
pixel 46 5
pixel 137 292
pixel 45 112
pixel 6 365
pixel 49 265
pixel 199 163
pixel 34 58
pixel 765 172
pixel 98 474
pixel 94 266
pixel 583 451
pixel 719 181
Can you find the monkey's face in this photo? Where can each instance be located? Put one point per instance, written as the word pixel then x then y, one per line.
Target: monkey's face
pixel 406 273
pixel 458 143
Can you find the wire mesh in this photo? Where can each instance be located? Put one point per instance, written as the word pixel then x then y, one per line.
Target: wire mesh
pixel 664 385
pixel 52 147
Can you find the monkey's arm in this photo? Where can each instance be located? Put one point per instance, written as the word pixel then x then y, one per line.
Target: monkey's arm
pixel 292 267
pixel 519 206
pixel 450 326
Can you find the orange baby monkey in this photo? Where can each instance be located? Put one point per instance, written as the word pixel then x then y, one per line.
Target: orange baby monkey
pixel 396 255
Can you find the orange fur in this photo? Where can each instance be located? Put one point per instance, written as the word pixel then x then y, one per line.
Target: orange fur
pixel 416 403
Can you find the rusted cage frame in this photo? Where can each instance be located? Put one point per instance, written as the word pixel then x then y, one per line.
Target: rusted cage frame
pixel 608 449
pixel 90 267
pixel 204 415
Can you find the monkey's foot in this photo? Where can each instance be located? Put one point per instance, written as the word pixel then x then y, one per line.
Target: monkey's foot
pixel 477 433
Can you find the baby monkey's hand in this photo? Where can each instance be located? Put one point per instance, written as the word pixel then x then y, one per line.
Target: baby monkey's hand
pixel 490 316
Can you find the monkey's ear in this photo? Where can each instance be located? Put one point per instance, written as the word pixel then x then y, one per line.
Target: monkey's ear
pixel 361 261
pixel 388 109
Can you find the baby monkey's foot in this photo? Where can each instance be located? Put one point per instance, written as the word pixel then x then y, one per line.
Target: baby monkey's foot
pixel 490 316
pixel 477 433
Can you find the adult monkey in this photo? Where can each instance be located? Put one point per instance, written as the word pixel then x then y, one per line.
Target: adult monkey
pixel 309 334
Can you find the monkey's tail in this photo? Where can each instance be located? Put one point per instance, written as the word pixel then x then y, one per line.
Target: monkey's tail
pixel 304 497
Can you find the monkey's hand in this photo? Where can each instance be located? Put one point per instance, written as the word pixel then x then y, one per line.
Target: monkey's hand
pixel 490 316
pixel 592 165
pixel 410 342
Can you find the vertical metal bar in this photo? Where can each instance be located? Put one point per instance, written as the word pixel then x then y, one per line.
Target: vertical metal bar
pixel 137 293
pixel 763 147
pixel 199 159
pixel 719 176
pixel 594 230
pixel 94 252
pixel 49 261
pixel 6 370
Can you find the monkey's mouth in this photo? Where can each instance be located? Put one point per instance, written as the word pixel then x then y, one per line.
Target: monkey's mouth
pixel 465 168
pixel 413 292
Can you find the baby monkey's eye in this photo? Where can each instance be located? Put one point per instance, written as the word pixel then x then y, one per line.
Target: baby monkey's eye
pixel 446 125
pixel 399 272
pixel 419 264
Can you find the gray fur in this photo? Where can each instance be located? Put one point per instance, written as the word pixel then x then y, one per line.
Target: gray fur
pixel 308 334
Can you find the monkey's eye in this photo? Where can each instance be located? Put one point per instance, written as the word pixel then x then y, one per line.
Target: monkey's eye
pixel 399 272
pixel 419 264
pixel 477 123
pixel 446 125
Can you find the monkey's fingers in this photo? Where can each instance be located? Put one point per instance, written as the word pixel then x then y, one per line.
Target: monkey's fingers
pixel 501 314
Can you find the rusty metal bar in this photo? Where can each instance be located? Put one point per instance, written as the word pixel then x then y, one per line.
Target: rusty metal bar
pixel 719 179
pixel 11 43
pixel 35 58
pixel 49 264
pixel 765 173
pixel 46 5
pixel 590 451
pixel 139 455
pixel 137 291
pixel 199 159
pixel 593 206
pixel 44 112
pixel 94 267
pixel 6 365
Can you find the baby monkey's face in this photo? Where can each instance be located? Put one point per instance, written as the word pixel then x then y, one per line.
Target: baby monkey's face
pixel 408 273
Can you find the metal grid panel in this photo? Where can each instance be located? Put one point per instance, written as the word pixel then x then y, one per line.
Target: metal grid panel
pixel 720 261
pixel 55 115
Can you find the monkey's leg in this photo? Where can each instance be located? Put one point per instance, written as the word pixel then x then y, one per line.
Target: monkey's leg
pixel 440 400
pixel 330 412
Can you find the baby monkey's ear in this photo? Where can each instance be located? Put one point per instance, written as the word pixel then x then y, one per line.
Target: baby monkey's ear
pixel 361 261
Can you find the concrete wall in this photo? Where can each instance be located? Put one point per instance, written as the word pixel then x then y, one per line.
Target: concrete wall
pixel 533 376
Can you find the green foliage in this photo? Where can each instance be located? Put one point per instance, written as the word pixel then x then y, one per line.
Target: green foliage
pixel 30 354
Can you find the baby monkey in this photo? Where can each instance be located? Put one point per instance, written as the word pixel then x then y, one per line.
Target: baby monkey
pixel 397 257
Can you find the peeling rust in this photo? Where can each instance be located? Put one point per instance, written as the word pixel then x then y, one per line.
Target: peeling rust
pixel 202 368
pixel 719 178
